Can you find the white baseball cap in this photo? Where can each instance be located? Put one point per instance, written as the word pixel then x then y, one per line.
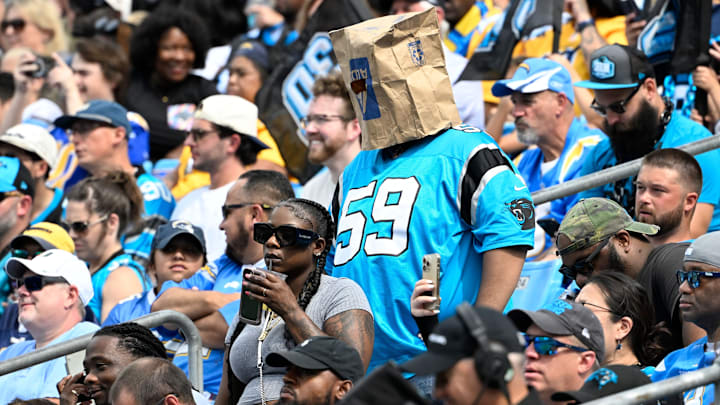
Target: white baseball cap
pixel 232 112
pixel 55 263
pixel 33 138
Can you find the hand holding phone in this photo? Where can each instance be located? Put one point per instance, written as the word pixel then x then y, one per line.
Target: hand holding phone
pixel 431 271
pixel 250 308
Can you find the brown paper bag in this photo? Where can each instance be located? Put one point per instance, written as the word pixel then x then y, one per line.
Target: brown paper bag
pixel 394 67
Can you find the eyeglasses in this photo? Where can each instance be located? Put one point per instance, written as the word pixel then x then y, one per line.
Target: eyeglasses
pixel 693 277
pixel 587 304
pixel 9 194
pixel 547 346
pixel 24 254
pixel 36 283
pixel 227 209
pixel 82 227
pixel 321 119
pixel 17 24
pixel 286 235
pixel 198 134
pixel 87 126
pixel 617 107
pixel 583 266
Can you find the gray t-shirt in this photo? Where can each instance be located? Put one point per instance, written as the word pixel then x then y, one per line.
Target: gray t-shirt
pixel 334 296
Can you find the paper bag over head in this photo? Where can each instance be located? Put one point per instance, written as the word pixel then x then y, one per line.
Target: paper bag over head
pixel 394 69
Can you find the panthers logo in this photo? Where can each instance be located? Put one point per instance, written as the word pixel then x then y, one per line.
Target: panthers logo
pixel 524 212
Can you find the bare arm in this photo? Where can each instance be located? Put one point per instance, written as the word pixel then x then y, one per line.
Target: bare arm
pixel 62 77
pixel 27 91
pixel 590 38
pixel 120 284
pixel 356 328
pixel 213 329
pixel 195 304
pixel 500 274
pixel 700 221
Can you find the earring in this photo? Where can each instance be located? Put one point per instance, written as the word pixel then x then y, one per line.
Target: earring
pixel 619 345
pixel 317 254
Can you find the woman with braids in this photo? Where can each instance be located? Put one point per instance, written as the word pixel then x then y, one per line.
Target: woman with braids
pixel 99 211
pixel 306 303
pixel 624 309
pixel 109 351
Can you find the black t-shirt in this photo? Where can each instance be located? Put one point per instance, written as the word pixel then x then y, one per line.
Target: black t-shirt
pixel 168 111
pixel 658 278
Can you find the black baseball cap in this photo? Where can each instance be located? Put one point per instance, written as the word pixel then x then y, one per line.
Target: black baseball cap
pixel 617 67
pixel 604 382
pixel 452 341
pixel 15 177
pixel 322 353
pixel 166 232
pixel 565 318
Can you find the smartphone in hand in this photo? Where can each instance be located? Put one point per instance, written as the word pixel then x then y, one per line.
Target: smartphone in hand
pixel 250 308
pixel 431 271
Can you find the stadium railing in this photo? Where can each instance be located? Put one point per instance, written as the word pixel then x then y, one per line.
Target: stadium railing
pixel 615 173
pixel 647 393
pixel 188 328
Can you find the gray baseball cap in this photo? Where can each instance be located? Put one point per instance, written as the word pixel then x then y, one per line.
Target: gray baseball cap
pixel 704 250
pixel 565 318
pixel 617 67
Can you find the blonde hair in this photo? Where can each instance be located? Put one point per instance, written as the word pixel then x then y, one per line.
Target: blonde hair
pixel 45 14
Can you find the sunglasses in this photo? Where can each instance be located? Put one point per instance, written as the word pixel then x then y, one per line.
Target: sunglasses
pixel 82 227
pixel 24 254
pixel 198 134
pixel 17 24
pixel 583 266
pixel 227 209
pixel 693 277
pixel 547 346
pixel 617 107
pixel 36 283
pixel 286 235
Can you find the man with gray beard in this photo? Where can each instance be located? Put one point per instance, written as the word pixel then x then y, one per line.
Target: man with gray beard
pixel 542 94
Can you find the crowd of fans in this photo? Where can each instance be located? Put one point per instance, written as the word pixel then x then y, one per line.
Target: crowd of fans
pixel 212 158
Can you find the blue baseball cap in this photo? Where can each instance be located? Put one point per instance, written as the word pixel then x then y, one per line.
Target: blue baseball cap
pixel 255 51
pixel 15 177
pixel 617 67
pixel 535 75
pixel 167 232
pixel 105 111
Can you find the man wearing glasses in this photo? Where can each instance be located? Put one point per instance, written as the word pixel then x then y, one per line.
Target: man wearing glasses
pixel 223 142
pixel 211 296
pixel 597 234
pixel 53 289
pixel 564 345
pixel 637 121
pixel 333 135
pixel 699 282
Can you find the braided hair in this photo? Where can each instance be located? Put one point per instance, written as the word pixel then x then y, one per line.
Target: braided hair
pixel 322 223
pixel 135 339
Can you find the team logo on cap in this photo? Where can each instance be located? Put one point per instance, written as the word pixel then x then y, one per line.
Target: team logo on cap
pixel 604 377
pixel 361 85
pixel 184 225
pixel 416 52
pixel 603 68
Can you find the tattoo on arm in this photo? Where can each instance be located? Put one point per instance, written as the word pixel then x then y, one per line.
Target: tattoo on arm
pixel 355 327
pixel 591 40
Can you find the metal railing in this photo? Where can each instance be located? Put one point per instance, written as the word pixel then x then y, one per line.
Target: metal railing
pixel 615 173
pixel 662 389
pixel 188 328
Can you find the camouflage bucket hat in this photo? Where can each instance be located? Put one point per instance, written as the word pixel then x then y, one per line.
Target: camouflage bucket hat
pixel 595 219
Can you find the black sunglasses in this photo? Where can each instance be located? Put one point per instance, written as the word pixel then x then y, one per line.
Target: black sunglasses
pixel 286 235
pixel 617 107
pixel 227 209
pixel 36 283
pixel 583 266
pixel 82 227
pixel 17 24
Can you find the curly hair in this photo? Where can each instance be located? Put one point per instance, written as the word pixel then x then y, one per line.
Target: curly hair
pixel 135 339
pixel 144 42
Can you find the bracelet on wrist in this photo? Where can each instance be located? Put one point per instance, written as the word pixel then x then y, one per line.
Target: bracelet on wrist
pixel 584 24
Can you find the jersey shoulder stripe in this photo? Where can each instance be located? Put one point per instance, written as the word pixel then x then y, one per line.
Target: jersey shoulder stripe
pixel 484 163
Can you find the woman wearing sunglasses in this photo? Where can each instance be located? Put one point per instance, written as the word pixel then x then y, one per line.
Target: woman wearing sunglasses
pixel 99 211
pixel 627 316
pixel 34 24
pixel 306 303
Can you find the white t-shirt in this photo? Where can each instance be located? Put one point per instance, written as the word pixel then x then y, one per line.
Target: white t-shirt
pixel 320 188
pixel 203 207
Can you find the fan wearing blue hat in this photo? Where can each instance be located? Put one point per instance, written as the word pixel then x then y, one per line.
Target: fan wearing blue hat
pixel 542 94
pixel 638 120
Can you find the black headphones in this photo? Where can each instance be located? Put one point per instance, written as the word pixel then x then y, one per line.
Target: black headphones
pixel 491 359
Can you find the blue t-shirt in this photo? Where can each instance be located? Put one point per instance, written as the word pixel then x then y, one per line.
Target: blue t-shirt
pixel 456 194
pixel 223 275
pixel 39 380
pixel 679 131
pixel 690 358
pixel 539 285
pixel 100 276
pixel 579 141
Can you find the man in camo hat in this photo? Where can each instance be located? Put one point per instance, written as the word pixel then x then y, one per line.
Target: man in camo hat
pixel 597 234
